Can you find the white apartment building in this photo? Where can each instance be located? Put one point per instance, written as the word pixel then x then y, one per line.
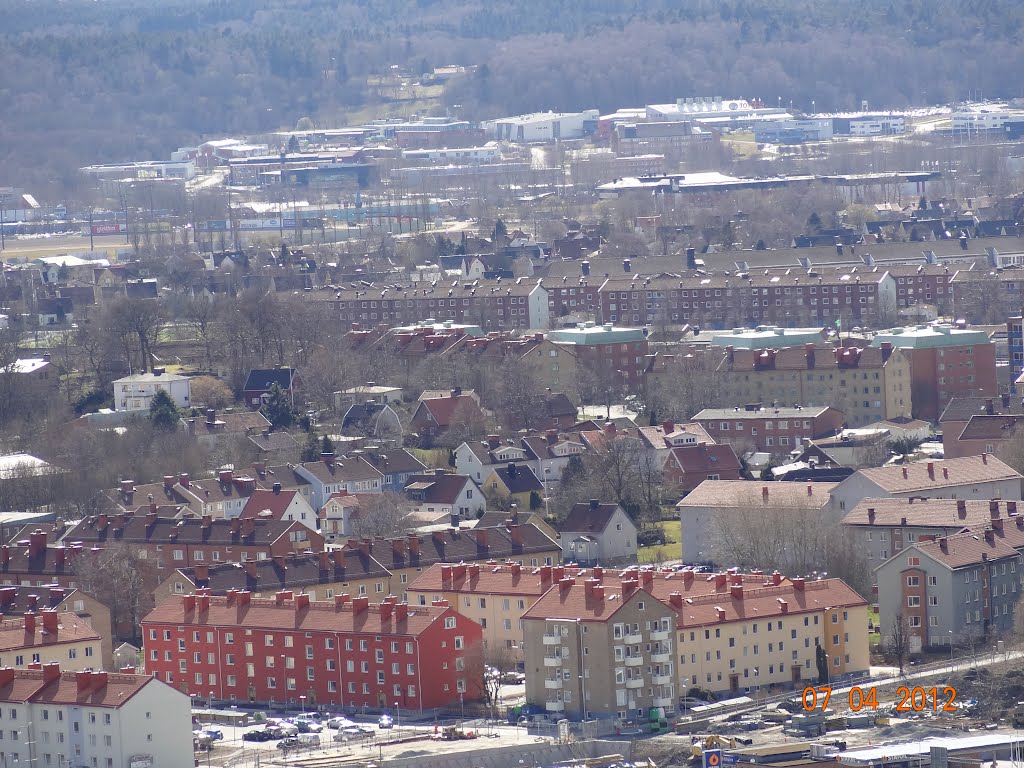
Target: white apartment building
pixel 136 392
pixel 92 720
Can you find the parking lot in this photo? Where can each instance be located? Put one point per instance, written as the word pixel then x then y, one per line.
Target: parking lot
pixel 374 743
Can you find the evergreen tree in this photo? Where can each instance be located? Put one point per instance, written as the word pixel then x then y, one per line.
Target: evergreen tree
pixel 821 660
pixel 311 448
pixel 277 409
pixel 327 445
pixel 163 412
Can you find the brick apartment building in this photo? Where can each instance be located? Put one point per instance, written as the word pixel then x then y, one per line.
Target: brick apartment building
pixel 772 430
pixel 343 652
pixel 184 542
pixel 489 304
pixel 973 425
pixel 945 362
pixel 617 355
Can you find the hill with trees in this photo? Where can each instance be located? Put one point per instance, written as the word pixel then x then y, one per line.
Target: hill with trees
pixel 108 81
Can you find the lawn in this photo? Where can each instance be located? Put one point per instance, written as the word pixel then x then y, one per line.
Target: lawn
pixel 670 550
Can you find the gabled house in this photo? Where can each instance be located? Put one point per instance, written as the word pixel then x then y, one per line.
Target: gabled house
pixel 512 483
pixel 397 465
pixel 279 504
pixel 332 474
pixel 477 458
pixel 260 380
pixel 445 495
pixel 337 514
pixel 435 416
pixel 553 411
pixel 690 465
pixel 598 534
pixel 374 419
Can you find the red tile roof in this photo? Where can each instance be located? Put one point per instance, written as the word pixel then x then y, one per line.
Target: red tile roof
pixel 443 409
pixel 70 629
pixel 275 503
pixel 103 689
pixel 928 513
pixel 963 549
pixel 747 493
pixel 320 616
pixel 484 578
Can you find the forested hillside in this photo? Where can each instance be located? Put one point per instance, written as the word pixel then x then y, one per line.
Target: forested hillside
pixel 84 82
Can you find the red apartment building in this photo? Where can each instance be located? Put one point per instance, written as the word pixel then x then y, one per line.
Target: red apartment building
pixel 772 430
pixel 945 362
pixel 344 652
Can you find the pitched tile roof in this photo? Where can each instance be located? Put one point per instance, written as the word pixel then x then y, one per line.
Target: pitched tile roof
pixel 318 616
pixel 438 488
pixel 443 409
pixel 518 478
pixel 261 379
pixel 928 513
pixel 577 602
pixel 748 493
pixel 739 414
pixel 343 469
pixel 295 572
pixel 454 546
pixel 268 501
pixel 393 461
pixel 591 516
pixel 963 408
pixel 183 531
pixel 705 459
pixel 483 578
pixel 962 549
pixel 70 629
pixel 984 427
pixel 103 689
pixel 907 478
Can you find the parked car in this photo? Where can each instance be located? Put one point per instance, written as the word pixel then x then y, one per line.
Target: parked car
pixel 385 721
pixel 291 742
pixel 286 728
pixel 353 732
pixel 308 726
pixel 258 734
pixel 339 722
pixel 309 740
pixel 214 733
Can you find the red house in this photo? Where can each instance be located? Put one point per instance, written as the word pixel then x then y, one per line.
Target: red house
pixel 344 652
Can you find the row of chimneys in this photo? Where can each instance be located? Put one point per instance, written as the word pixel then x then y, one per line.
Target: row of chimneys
pixel 389 607
pixel 961 510
pixel 997 525
pixel 765 493
pixel 85 680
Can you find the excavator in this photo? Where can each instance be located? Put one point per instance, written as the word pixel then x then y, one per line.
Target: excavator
pixel 699 743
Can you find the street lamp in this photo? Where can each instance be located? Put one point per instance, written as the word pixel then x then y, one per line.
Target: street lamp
pixel 462 704
pixel 950 648
pixel 302 703
pixel 398 717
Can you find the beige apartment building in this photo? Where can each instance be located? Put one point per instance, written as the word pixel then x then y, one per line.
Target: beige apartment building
pixel 495 596
pixel 594 651
pixel 50 636
pixel 867 385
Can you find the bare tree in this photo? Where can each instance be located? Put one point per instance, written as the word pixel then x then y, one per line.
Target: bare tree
pixel 897 642
pixel 120 577
pixel 382 515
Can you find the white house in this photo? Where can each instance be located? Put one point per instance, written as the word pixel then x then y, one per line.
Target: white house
pixel 136 392
pixel 595 533
pixel 337 514
pixel 969 477
pixel 442 494
pixel 97 719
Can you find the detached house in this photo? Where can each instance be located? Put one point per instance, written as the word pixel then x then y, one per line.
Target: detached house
pixel 598 534
pixel 435 416
pixel 279 504
pixel 331 474
pixel 260 380
pixel 514 483
pixel 444 495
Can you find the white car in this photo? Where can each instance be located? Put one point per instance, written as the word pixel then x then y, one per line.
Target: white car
pixel 340 722
pixel 385 722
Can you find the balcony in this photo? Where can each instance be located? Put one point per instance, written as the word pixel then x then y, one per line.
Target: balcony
pixel 552 639
pixel 666 701
pixel 635 683
pixel 634 661
pixel 552 661
pixel 553 685
pixel 661 658
pixel 554 706
pixel 662 679
pixel 660 636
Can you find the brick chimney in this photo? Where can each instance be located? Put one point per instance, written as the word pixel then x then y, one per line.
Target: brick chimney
pixel 83 680
pixel 250 568
pixel 719 613
pixel 944 544
pixel 244 597
pixel 984 458
pixel 401 612
pixel 341 600
pixel 280 598
pixel 224 476
pixel 481 537
pixel 990 536
pixel 188 603
pixel 168 482
pixel 736 591
pixel 37 543
pixel 764 493
pixel 207 521
pixel 629 586
pixel 997 524
pixel 783 606
pixel 720 581
pixel 798 584
pixel 871 515
pixel 49 621
pixel 776 578
pixel 301 601
pixel 360 604
pixel 30 623
pixel 993 508
pixel 183 479
pixel 687 577
pixel 905 473
pixel 51 672
pixel 945 473
pixel 961 509
pixel 1011 508
pixel 668 427
pixel 415 544
pixel 516 534
pixel 676 599
pixel 515 568
pixel 385 611
pixel 931 470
